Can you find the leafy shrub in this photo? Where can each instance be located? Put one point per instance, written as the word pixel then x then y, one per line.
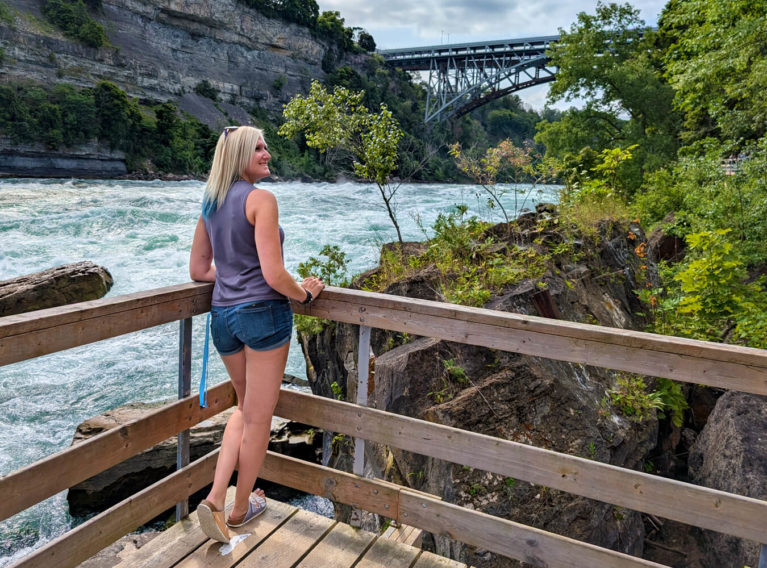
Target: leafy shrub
pixel 71 17
pixel 631 398
pixel 205 89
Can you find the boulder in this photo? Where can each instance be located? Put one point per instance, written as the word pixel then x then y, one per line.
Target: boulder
pixel 67 284
pixel 730 454
pixel 550 404
pixel 661 245
pixel 127 478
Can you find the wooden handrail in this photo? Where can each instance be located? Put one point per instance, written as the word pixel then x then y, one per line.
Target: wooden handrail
pixel 46 331
pixel 692 504
pixel 387 499
pixel 699 506
pixel 726 366
pixel 30 485
pixel 713 364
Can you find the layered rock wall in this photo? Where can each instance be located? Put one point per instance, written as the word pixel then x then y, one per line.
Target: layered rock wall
pixel 158 51
pixel 161 50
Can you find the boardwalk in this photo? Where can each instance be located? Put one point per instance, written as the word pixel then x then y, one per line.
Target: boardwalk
pixel 283 537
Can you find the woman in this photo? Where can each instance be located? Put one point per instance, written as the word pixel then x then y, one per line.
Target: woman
pixel 251 318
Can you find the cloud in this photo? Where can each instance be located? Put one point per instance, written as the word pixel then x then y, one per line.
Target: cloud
pixel 404 23
pixel 468 20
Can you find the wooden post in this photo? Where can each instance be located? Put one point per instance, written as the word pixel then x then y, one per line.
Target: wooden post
pixel 184 390
pixel 763 557
pixel 363 374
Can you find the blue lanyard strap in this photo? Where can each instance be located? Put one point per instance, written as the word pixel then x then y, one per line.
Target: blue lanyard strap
pixel 203 387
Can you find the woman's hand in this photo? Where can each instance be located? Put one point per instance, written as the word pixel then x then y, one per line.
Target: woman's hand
pixel 314 285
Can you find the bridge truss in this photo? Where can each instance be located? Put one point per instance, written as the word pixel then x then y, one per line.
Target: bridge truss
pixel 465 76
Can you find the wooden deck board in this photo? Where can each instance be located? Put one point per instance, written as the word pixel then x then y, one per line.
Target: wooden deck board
pixel 283 537
pixel 260 530
pixel 429 560
pixel 386 553
pixel 172 545
pixel 287 546
pixel 340 548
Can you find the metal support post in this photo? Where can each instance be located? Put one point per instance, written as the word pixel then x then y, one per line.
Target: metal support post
pixel 184 390
pixel 363 374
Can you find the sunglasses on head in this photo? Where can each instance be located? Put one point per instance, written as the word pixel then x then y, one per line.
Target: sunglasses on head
pixel 228 129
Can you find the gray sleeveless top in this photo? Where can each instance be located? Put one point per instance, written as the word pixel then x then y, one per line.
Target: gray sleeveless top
pixel 239 278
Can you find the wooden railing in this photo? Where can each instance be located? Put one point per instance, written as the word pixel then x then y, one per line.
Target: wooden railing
pixel 47 331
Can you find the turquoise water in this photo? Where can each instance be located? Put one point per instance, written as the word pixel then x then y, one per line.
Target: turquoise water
pixel 141 232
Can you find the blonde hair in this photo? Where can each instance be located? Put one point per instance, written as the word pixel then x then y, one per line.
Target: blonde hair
pixel 234 151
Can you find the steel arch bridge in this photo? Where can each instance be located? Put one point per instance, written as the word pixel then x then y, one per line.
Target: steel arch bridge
pixel 464 76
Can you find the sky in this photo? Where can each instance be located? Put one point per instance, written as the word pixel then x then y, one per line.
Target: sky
pixel 414 23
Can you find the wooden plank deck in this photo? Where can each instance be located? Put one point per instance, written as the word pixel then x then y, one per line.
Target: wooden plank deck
pixel 285 536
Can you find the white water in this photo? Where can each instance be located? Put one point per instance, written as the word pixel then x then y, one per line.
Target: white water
pixel 142 232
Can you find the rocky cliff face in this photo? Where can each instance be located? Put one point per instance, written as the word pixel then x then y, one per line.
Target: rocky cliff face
pixel 550 404
pixel 160 51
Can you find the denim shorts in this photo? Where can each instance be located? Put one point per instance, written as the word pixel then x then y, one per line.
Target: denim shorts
pixel 261 325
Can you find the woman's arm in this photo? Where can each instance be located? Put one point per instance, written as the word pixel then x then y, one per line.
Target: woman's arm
pixel 201 267
pixel 261 210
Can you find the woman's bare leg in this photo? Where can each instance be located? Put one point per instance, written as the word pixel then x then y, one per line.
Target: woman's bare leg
pixel 230 444
pixel 263 375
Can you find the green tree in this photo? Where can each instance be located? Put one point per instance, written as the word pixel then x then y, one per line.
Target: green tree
pixel 715 52
pixel 330 25
pixel 302 12
pixel 113 113
pixel 72 17
pixel 78 114
pixel 609 60
pixel 338 125
pixel 366 41
pixel 504 163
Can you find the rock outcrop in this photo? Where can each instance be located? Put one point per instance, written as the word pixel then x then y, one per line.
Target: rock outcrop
pixel 730 454
pixel 550 404
pixel 67 284
pixel 35 160
pixel 160 50
pixel 131 476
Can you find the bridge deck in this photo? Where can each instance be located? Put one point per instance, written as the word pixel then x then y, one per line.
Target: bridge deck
pixel 283 537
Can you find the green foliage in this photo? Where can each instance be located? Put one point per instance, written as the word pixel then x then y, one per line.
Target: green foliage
pixel 504 163
pixel 704 198
pixel 338 392
pixel 302 12
pixel 631 398
pixel 65 116
pixel 330 26
pixel 338 125
pixel 710 292
pixel 279 83
pixel 674 402
pixel 72 17
pixel 366 41
pixel 6 15
pixel 455 371
pixel 715 53
pixel 333 271
pixel 607 60
pixel 309 326
pixel 205 89
pixel 471 263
